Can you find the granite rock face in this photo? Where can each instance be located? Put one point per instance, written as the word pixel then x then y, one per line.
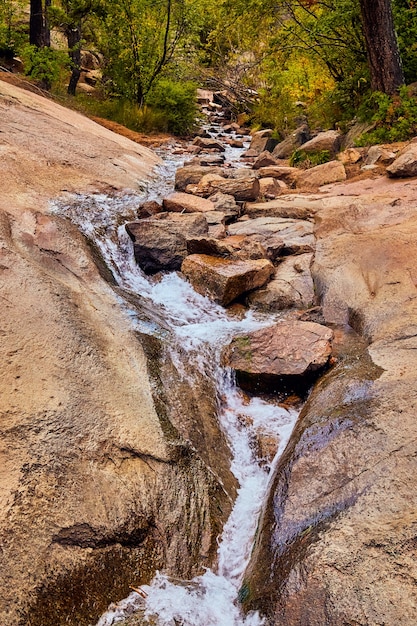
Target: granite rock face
pixel 336 542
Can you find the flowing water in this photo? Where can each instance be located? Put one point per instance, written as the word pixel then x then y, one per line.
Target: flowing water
pixel 196 329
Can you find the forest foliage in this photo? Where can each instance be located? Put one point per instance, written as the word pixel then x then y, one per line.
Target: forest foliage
pixel 283 61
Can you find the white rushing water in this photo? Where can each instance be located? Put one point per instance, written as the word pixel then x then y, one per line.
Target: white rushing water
pixel 196 329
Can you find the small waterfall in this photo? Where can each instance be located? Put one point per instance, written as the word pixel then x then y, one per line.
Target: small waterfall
pixel 196 329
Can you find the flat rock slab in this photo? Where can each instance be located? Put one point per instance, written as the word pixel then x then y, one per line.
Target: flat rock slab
pixel 186 202
pixel 284 350
pixel 160 243
pixel 224 280
pixel 296 236
pixel 293 206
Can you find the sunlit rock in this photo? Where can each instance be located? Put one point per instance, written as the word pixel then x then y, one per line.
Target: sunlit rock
pixel 331 172
pixel 405 165
pixel 278 354
pixel 241 188
pixel 186 203
pixel 224 280
pixel 329 141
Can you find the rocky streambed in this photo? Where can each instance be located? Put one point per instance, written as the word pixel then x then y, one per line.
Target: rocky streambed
pixel 115 462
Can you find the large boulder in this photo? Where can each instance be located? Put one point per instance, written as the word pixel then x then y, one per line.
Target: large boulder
pixel 283 354
pixel 262 140
pixel 160 243
pixel 291 287
pixel 224 280
pixel 331 172
pixel 241 189
pixel 327 141
pixel 286 147
pixel 405 165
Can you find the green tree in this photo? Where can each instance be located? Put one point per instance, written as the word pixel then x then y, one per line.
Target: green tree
pixel 139 40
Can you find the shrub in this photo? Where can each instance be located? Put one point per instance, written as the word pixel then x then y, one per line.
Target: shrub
pixel 309 159
pixel 44 64
pixel 177 103
pixel 395 117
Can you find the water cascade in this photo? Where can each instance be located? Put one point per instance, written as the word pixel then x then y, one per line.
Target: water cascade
pixel 196 330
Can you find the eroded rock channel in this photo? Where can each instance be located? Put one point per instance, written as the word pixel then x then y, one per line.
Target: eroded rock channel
pixel 127 446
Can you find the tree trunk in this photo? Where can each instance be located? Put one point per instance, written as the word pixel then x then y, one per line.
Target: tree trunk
pixel 381 46
pixel 36 24
pixel 74 50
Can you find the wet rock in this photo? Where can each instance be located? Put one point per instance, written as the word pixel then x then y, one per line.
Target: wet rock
pixel 191 175
pixel 332 528
pixel 209 144
pixel 331 172
pixel 147 209
pixel 160 243
pixel 186 202
pixel 329 141
pixel 286 147
pixel 224 280
pixel 262 140
pixel 405 165
pixel 291 286
pixel 265 159
pixel 279 354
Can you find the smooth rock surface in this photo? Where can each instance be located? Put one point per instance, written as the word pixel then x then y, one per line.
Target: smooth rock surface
pixel 339 528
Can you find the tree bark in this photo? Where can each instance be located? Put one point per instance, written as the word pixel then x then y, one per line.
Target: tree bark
pixel 74 50
pixel 36 24
pixel 381 46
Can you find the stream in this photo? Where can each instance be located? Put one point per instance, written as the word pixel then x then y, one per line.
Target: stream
pixel 195 329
